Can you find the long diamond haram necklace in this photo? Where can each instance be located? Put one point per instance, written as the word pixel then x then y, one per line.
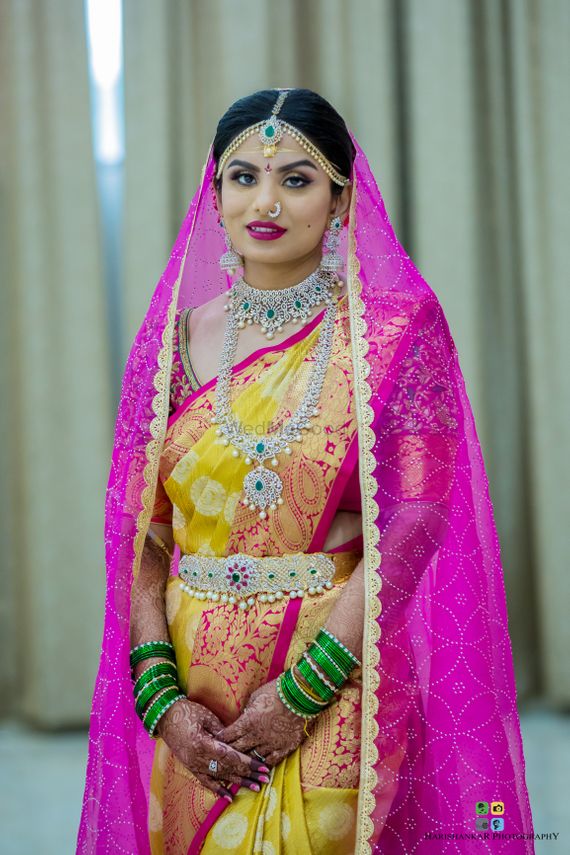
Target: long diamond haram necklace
pixel 262 486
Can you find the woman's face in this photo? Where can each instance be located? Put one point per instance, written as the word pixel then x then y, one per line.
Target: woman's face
pixel 251 186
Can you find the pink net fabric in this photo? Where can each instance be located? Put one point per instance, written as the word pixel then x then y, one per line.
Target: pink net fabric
pixel 440 724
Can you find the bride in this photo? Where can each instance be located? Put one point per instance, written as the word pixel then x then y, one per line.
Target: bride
pixel 299 654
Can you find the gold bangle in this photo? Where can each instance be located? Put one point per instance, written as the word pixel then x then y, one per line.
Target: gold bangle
pixel 159 542
pixel 302 683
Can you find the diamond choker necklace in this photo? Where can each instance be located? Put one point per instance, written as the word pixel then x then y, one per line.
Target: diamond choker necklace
pixel 273 308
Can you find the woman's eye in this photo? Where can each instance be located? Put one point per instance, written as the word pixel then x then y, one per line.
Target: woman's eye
pixel 298 178
pixel 242 175
pixel 300 181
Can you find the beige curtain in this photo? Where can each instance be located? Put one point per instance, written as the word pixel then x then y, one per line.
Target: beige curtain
pixel 462 109
pixel 56 416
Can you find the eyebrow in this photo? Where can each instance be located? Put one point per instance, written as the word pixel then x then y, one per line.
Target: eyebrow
pixel 285 168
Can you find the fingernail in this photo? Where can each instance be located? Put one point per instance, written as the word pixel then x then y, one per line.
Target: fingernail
pixel 263 769
pixel 264 779
pixel 255 787
pixel 228 797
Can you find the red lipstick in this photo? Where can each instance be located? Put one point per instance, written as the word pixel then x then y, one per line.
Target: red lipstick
pixel 262 230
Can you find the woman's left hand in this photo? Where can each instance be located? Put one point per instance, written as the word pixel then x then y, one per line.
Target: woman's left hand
pixel 266 725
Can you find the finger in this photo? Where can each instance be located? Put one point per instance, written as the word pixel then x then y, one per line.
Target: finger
pixel 250 766
pixel 232 762
pixel 215 786
pixel 250 784
pixel 244 743
pixel 233 731
pixel 264 750
pixel 225 793
pixel 273 758
pixel 254 784
pixel 212 723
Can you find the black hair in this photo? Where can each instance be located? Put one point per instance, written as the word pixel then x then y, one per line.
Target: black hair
pixel 309 112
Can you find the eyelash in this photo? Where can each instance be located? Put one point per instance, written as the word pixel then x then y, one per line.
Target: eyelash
pixel 295 186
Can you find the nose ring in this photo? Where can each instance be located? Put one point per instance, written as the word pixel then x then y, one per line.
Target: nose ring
pixel 276 212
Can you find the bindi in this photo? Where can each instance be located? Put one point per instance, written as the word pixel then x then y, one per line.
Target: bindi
pixel 268 167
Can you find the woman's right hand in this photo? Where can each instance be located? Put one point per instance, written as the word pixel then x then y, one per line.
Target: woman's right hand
pixel 189 729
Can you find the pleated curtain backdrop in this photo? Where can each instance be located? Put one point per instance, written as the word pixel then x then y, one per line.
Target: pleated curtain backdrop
pixel 461 109
pixel 56 419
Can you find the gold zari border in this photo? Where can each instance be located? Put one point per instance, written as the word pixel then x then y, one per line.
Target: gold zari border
pixel 372 558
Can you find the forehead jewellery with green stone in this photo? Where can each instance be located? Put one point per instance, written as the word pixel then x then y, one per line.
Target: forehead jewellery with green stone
pixel 270 132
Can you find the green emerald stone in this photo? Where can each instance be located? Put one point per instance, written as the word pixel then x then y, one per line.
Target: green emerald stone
pixel 312 570
pixel 297 304
pixel 245 305
pixel 259 447
pixel 236 577
pixel 210 575
pixel 271 575
pixel 259 485
pixel 271 313
pixel 269 131
pixel 292 573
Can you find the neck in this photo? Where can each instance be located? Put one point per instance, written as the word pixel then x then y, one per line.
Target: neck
pixel 268 277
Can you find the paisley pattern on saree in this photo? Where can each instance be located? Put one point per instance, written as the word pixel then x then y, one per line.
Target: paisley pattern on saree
pixel 224 654
pixel 203 481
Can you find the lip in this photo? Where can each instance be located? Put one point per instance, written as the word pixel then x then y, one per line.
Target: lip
pixel 276 232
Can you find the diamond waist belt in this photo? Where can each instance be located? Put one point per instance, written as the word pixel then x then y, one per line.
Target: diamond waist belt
pixel 240 579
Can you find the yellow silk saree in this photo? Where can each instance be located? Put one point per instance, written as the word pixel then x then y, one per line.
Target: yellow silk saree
pixel 223 654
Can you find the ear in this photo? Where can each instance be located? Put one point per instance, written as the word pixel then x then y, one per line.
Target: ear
pixel 217 199
pixel 341 203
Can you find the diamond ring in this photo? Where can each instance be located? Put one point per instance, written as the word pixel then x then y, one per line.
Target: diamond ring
pixel 213 766
pixel 258 755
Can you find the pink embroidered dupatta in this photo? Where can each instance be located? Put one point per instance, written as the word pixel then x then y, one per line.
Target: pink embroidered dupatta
pixel 440 723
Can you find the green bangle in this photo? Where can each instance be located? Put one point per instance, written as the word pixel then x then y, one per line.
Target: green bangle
pixel 314 681
pixel 296 698
pixel 327 663
pixel 343 667
pixel 321 702
pixel 311 665
pixel 154 671
pixel 337 649
pixel 286 703
pixel 160 643
pixel 151 690
pixel 149 649
pixel 159 707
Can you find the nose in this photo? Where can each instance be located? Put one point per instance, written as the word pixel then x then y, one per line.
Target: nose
pixel 266 195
